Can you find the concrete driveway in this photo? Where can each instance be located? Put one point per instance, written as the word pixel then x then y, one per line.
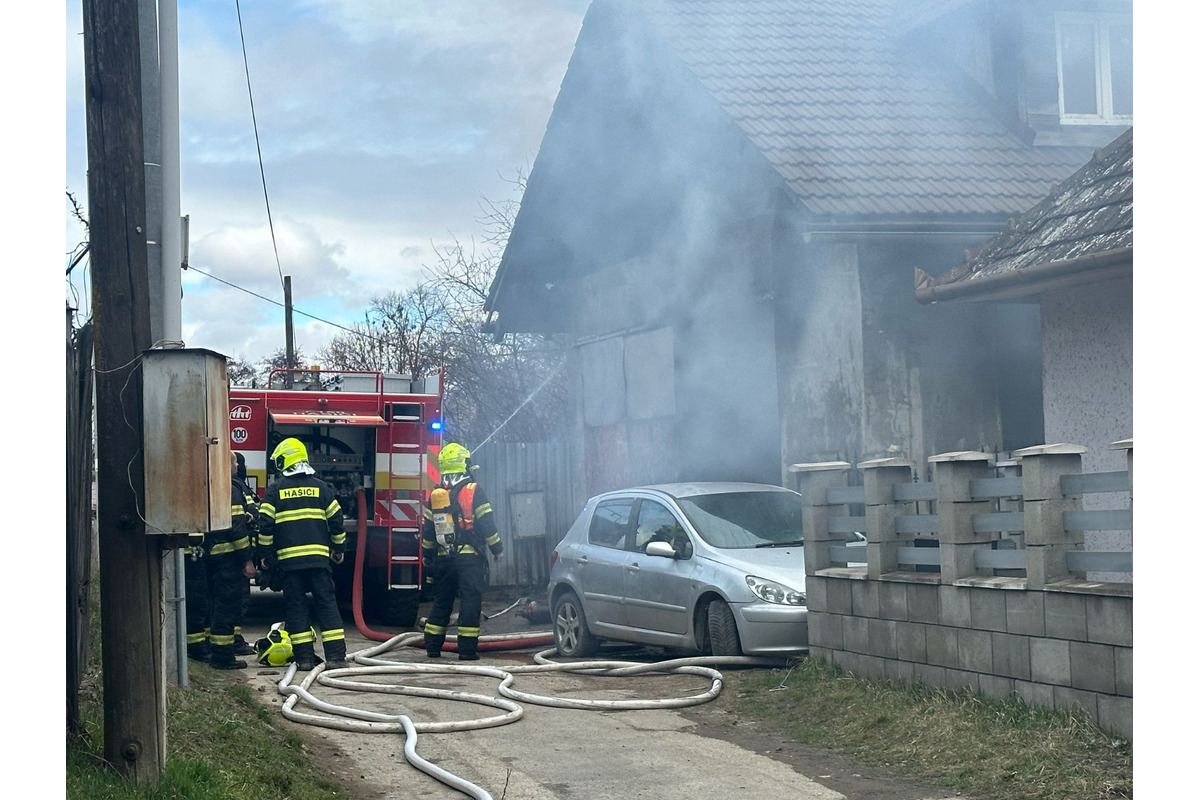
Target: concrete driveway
pixel 549 753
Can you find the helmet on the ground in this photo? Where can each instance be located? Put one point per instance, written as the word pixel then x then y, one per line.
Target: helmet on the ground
pixel 453 459
pixel 289 452
pixel 274 649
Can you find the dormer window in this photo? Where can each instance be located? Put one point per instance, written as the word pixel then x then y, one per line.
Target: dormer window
pixel 1095 69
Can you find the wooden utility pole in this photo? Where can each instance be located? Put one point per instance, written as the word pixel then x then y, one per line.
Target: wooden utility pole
pixel 289 336
pixel 130 561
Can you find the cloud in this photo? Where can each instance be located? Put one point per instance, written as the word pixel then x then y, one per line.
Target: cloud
pixel 381 126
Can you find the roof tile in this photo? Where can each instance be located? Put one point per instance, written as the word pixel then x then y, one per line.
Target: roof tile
pixel 1090 212
pixel 830 96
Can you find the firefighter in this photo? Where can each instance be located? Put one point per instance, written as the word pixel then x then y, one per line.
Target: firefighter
pixel 250 504
pixel 300 533
pixel 195 577
pixel 230 565
pixel 458 530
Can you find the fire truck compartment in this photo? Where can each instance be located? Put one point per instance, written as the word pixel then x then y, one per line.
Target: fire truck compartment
pixel 329 416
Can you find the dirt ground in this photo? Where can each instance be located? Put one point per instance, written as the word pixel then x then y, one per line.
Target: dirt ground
pixel 518 761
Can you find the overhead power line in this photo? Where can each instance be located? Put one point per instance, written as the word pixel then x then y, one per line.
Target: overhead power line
pixel 294 309
pixel 258 146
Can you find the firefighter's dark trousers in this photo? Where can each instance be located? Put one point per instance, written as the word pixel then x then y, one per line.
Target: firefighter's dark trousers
pixel 297 584
pixel 195 582
pixel 463 575
pixel 228 583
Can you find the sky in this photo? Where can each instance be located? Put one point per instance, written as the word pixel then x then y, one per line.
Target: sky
pixel 383 125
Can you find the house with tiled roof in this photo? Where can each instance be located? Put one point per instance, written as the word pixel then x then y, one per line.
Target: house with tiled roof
pixel 726 208
pixel 1071 254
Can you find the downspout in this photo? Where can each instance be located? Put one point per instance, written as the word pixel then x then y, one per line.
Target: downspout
pixel 172 247
pixel 172 253
pixel 152 89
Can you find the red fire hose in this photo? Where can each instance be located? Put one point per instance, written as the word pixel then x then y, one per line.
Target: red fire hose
pixel 506 642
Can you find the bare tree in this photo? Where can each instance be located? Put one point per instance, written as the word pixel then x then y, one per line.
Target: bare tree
pixel 241 372
pixel 402 332
pixel 277 360
pixel 78 253
pixel 508 388
pixel 77 210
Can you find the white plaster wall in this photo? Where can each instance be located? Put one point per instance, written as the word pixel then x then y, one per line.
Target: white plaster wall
pixel 1087 340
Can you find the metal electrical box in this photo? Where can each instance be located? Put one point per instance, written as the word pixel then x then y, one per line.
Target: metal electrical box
pixel 528 514
pixel 185 423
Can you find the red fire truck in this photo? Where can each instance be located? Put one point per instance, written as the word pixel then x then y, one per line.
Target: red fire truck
pixel 374 437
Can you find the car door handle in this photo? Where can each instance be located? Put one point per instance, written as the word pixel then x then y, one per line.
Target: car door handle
pixel 633 568
pixel 581 559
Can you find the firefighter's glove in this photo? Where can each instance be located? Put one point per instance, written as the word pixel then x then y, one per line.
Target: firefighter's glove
pixel 268 580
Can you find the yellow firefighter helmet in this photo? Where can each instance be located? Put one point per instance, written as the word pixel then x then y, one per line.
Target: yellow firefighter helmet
pixel 453 459
pixel 288 452
pixel 274 649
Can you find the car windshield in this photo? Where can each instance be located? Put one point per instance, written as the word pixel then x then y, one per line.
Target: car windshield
pixel 745 519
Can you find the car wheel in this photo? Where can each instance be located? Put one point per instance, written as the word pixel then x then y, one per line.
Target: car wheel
pixel 722 630
pixel 571 635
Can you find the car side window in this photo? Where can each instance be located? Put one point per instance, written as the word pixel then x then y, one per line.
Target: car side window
pixel 656 523
pixel 610 524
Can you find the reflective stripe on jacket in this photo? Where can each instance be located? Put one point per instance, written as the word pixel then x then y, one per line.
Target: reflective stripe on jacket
pixel 300 523
pixel 235 538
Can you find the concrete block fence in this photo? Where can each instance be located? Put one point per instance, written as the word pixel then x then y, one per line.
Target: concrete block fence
pixel 976 579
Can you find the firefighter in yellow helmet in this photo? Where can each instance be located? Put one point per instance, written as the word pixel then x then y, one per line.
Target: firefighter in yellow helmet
pixel 301 535
pixel 458 530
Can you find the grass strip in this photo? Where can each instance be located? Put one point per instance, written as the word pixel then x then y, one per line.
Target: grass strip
pixel 961 741
pixel 221 745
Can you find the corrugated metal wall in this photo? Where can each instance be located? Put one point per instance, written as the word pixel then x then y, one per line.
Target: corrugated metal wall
pixel 529 487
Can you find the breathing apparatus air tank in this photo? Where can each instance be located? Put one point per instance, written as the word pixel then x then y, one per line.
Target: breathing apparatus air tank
pixel 443 517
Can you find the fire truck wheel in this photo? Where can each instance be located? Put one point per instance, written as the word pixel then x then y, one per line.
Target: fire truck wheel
pixel 402 607
pixel 394 607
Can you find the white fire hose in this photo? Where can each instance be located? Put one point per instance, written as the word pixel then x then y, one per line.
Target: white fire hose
pixel 369 664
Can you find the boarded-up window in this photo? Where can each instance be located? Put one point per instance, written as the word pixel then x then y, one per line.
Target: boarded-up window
pixel 650 374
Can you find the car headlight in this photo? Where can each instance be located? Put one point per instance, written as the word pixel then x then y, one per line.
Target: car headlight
pixel 772 592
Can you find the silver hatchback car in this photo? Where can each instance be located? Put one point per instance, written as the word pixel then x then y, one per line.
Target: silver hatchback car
pixel 712 567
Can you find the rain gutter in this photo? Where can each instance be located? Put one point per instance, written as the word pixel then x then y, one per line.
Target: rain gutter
pixel 1022 282
pixel 926 227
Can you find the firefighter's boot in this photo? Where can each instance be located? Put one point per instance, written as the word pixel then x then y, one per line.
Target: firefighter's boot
pixel 433 644
pixel 304 656
pixel 468 648
pixel 335 650
pixel 198 651
pixel 435 637
pixel 222 658
pixel 240 646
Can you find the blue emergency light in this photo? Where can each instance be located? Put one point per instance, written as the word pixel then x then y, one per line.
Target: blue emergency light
pixel 435 425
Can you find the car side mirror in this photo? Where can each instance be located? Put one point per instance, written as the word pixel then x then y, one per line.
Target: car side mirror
pixel 662 549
